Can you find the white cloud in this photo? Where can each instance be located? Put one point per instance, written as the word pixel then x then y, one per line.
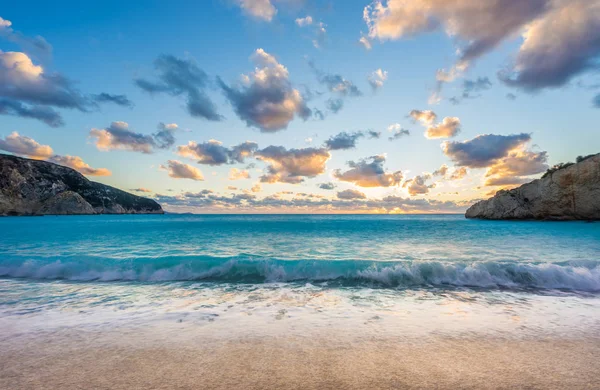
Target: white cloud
pixel 262 10
pixel 306 21
pixel 377 78
pixel 365 42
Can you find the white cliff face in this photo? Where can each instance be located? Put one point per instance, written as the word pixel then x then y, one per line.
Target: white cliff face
pixel 571 193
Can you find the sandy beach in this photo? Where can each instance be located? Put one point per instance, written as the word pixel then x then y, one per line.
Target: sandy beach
pixel 74 359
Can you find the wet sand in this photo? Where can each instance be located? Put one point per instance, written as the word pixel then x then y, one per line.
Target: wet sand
pixel 74 359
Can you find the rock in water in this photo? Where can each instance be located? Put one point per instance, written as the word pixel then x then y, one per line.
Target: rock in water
pixel 570 193
pixel 32 187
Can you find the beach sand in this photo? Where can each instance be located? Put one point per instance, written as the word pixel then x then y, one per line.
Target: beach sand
pixel 143 359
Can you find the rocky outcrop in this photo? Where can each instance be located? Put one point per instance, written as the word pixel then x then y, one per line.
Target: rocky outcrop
pixel 32 187
pixel 569 193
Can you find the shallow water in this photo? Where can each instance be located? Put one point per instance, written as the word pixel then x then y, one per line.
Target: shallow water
pixel 409 275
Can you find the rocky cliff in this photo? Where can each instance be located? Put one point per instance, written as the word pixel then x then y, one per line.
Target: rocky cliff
pixel 32 187
pixel 568 193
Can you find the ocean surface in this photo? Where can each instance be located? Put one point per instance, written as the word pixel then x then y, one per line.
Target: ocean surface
pixel 397 274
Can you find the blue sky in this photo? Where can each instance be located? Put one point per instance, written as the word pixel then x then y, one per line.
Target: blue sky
pixel 104 48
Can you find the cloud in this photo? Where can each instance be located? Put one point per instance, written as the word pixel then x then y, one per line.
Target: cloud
pixel 336 83
pixel 366 43
pixel 446 174
pixel 377 78
pixel 335 105
pixel 309 94
pixel 320 35
pixel 306 21
pixel 472 89
pixel 182 77
pixel 343 140
pixel 31 92
pixel 369 172
pixel 267 101
pixel 214 153
pixel 141 189
pixel 562 44
pixel 118 137
pixel 164 138
pixel 442 171
pixel 372 134
pixel 511 96
pixel 477 26
pixel 119 100
pixel 346 140
pixel 22 80
pixel 596 101
pixel 237 174
pixel 483 150
pixel 505 181
pixel 459 173
pixel 320 31
pixel 25 146
pixel 179 170
pixel 262 10
pixel 327 186
pixel 477 85
pixel 449 127
pixel 35 44
pixel 304 203
pixel 418 185
pixel 41 113
pixel 520 163
pixel 399 134
pixel 426 117
pixel 561 38
pixel 79 165
pixel 506 157
pixel 293 165
pixel 398 131
pixel 514 168
pixel 351 194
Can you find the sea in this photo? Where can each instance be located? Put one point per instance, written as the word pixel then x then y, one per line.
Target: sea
pixel 409 276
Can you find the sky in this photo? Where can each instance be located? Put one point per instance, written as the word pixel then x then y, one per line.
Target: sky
pixel 302 106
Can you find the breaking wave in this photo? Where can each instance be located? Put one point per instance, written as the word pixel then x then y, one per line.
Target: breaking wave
pixel 580 276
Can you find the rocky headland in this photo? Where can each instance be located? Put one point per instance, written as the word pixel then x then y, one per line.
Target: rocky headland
pixel 565 192
pixel 33 187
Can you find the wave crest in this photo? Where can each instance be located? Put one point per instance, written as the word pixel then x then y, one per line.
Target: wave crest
pixel 584 276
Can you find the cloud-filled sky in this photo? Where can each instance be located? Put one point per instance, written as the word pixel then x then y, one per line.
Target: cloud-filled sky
pixel 302 106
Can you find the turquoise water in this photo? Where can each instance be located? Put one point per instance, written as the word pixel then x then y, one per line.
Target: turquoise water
pixel 372 251
pixel 243 275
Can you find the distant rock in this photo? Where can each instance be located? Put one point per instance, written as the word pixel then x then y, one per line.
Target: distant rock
pixel 569 193
pixel 32 187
